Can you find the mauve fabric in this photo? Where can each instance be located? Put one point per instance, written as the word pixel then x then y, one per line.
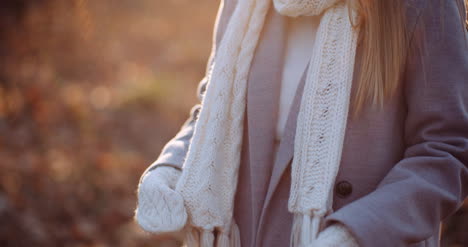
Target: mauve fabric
pixel 406 163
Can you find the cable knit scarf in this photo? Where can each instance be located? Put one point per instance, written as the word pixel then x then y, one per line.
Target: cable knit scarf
pixel 209 178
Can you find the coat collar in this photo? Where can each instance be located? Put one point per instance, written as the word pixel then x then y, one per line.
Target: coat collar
pixel 264 84
pixel 285 151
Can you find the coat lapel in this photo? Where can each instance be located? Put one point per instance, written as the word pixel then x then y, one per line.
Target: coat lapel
pixel 264 84
pixel 285 151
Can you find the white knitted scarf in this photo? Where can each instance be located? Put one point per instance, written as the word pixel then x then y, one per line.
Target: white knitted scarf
pixel 209 178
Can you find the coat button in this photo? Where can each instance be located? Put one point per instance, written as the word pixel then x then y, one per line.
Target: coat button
pixel 343 189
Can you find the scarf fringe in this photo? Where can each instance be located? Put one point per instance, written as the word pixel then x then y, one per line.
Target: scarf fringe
pixel 223 239
pixel 235 235
pixel 192 237
pixel 305 229
pixel 206 238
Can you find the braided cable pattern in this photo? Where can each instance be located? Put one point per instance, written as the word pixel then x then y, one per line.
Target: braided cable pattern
pixel 321 123
pixel 210 171
pixel 323 113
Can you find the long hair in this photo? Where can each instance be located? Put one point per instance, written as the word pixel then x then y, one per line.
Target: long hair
pixel 384 48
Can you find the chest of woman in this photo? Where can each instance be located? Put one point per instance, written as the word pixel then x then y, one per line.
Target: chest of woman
pixel 373 142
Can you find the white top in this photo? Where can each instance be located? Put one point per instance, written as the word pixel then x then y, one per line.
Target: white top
pixel 298 52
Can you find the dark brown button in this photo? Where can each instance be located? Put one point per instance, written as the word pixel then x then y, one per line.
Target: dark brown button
pixel 343 189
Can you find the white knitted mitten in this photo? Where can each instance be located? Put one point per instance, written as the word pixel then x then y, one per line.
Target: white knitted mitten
pixel 160 208
pixel 336 235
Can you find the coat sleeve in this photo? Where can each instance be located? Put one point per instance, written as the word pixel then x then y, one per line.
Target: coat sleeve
pixel 430 182
pixel 174 152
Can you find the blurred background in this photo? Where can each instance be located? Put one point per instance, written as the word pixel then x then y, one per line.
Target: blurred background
pixel 90 91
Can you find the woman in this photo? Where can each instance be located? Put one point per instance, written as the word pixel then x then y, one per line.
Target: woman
pixel 280 83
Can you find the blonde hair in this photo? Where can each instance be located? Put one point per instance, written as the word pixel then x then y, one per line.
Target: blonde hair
pixel 384 48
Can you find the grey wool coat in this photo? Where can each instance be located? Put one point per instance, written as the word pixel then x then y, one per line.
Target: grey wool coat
pixel 403 167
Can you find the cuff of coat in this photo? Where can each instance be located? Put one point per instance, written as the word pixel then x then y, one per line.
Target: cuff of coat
pixel 168 160
pixel 163 160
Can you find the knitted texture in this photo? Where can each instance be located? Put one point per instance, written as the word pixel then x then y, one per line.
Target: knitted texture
pixel 296 8
pixel 322 121
pixel 210 171
pixel 336 235
pixel 160 208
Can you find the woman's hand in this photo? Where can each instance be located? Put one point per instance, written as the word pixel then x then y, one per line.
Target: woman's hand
pixel 336 235
pixel 160 208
